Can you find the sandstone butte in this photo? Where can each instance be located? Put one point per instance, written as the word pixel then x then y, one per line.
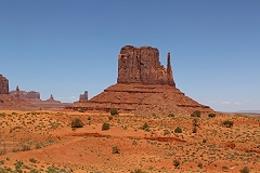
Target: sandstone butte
pixel 144 86
pixel 24 100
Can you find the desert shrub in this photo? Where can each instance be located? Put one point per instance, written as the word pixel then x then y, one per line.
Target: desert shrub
pixel 194 129
pixel 195 124
pixel 176 164
pixel 212 115
pixel 138 171
pixel 105 126
pixel 171 115
pixel 113 111
pixel 76 123
pixel 196 114
pixel 2 152
pixel 19 166
pixel 25 147
pixel 53 169
pixel 34 171
pixel 245 170
pixel 178 130
pixel 200 165
pixel 146 127
pixel 2 114
pixel 2 162
pixel 82 110
pixel 54 125
pixel 115 150
pixel 33 160
pixel 228 123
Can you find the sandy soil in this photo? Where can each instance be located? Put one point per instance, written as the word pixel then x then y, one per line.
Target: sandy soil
pixel 44 141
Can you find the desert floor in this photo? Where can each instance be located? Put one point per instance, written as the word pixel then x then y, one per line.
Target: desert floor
pixel 44 141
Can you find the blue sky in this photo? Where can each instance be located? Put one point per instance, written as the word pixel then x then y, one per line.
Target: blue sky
pixel 65 47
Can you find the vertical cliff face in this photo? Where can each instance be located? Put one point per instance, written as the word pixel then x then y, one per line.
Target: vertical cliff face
pixel 142 65
pixel 4 85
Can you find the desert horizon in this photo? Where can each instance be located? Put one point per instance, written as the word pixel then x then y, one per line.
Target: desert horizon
pixel 129 86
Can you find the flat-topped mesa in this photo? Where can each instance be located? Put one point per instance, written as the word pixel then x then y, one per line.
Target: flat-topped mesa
pixel 142 65
pixel 4 85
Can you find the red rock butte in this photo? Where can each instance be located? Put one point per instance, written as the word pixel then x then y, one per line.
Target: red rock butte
pixel 143 86
pixel 4 85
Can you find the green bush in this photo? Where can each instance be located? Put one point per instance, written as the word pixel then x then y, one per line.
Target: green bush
pixel 76 123
pixel 212 115
pixel 113 111
pixel 228 123
pixel 176 164
pixel 146 127
pixel 105 126
pixel 115 150
pixel 33 160
pixel 171 115
pixel 196 114
pixel 245 170
pixel 178 130
pixel 138 171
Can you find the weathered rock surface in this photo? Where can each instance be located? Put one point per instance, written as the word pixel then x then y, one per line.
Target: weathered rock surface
pixel 23 100
pixel 143 86
pixel 31 95
pixel 4 85
pixel 142 65
pixel 83 97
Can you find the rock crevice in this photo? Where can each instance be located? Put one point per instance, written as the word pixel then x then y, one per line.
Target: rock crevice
pixel 142 65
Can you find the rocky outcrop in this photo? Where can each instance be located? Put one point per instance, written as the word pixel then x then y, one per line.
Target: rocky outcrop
pixel 142 65
pixel 83 97
pixel 31 95
pixel 143 86
pixel 4 85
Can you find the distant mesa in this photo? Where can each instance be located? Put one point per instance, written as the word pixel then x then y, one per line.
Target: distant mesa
pixel 25 95
pixel 4 85
pixel 83 97
pixel 144 86
pixel 20 99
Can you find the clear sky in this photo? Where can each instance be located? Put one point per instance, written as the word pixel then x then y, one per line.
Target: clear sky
pixel 66 47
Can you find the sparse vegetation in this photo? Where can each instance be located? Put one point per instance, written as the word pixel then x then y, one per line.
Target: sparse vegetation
pixel 176 164
pixel 113 111
pixel 228 123
pixel 195 125
pixel 105 126
pixel 53 169
pixel 138 171
pixel 33 160
pixel 171 115
pixel 115 150
pixel 212 115
pixel 245 170
pixel 200 165
pixel 178 130
pixel 146 127
pixel 76 123
pixel 196 114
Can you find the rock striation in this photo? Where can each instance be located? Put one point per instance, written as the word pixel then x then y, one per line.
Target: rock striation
pixel 143 86
pixel 4 85
pixel 142 65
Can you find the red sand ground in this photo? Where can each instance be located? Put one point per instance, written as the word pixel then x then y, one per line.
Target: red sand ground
pixel 45 138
